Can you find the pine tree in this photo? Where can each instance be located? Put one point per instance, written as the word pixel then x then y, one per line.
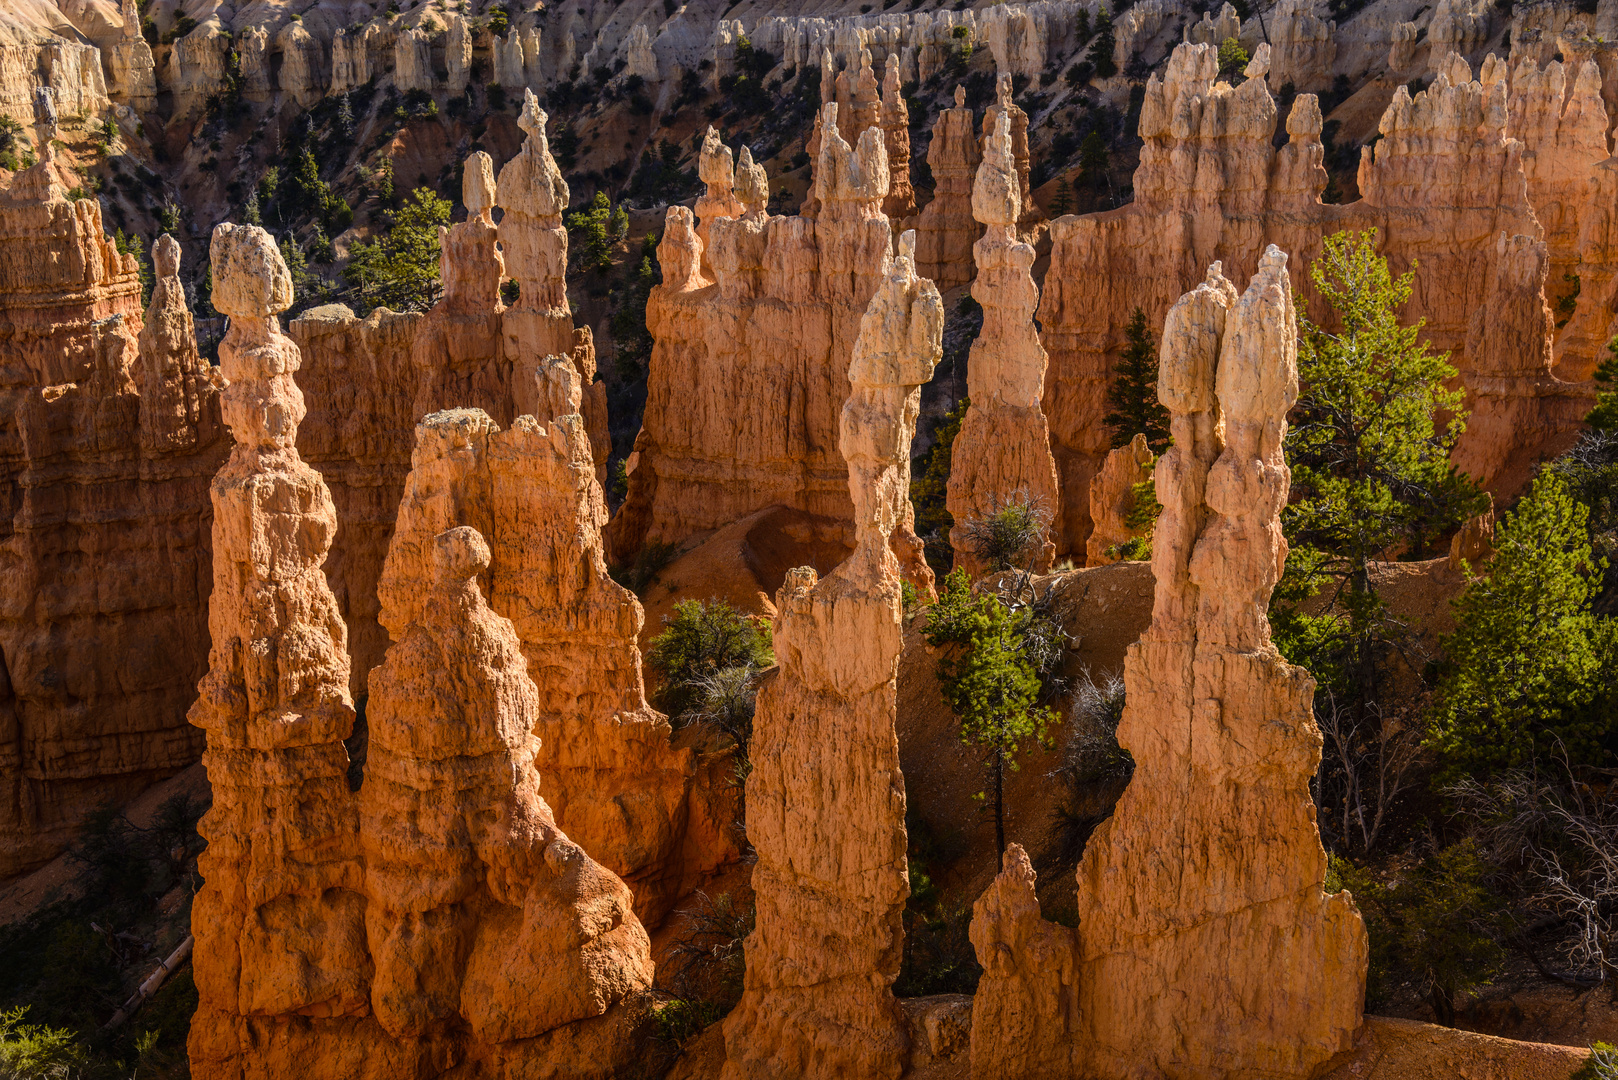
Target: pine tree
pixel 1530 667
pixel 1063 203
pixel 1132 397
pixel 1232 58
pixel 1370 466
pixel 1100 54
pixel 400 269
pixel 1093 161
pixel 989 680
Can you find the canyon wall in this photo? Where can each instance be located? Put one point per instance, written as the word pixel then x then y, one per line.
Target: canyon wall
pixel 746 379
pixel 826 800
pixel 1440 187
pixel 109 432
pixel 438 915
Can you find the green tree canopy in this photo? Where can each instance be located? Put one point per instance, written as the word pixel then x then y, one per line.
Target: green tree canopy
pixel 399 270
pixel 990 679
pixel 1371 477
pixel 1531 669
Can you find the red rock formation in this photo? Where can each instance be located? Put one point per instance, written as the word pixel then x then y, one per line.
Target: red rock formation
pixel 370 380
pixel 828 824
pixel 107 444
pixel 45 332
pixel 533 195
pixel 481 911
pixel 617 786
pixel 1003 451
pixel 1112 498
pixel 1025 1013
pixel 946 230
pixel 716 168
pixel 746 375
pixel 1027 212
pixel 895 122
pixel 438 917
pixel 1214 841
pixel 1564 136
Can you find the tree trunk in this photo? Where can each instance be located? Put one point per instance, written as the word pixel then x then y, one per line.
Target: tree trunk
pixel 999 801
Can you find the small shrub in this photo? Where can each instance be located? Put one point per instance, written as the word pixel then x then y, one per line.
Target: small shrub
pixel 701 640
pixel 1011 533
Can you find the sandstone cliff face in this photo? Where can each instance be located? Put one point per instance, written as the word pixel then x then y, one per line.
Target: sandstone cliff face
pixel 134 71
pixel 1217 827
pixel 1564 136
pixel 51 303
pixel 1025 1013
pixel 617 786
pixel 439 915
pixel 747 373
pixel 1003 451
pixel 1440 187
pixel 828 828
pixel 481 910
pixel 109 432
pixel 40 48
pixel 946 230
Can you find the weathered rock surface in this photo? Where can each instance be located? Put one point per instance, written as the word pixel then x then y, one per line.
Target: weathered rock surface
pixel 437 916
pixel 946 229
pixel 133 69
pixel 617 786
pixel 481 910
pixel 1440 186
pixel 1208 876
pixel 1003 452
pixel 109 433
pixel 1112 498
pixel 369 381
pixel 533 195
pixel 831 880
pixel 1025 1014
pixel 280 923
pixel 716 167
pixel 747 376
pixel 1521 413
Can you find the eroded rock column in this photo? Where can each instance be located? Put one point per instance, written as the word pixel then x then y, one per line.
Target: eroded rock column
pixel 946 229
pixel 279 924
pixel 1208 947
pixel 826 798
pixel 481 912
pixel 534 196
pixel 1003 452
pixel 616 784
